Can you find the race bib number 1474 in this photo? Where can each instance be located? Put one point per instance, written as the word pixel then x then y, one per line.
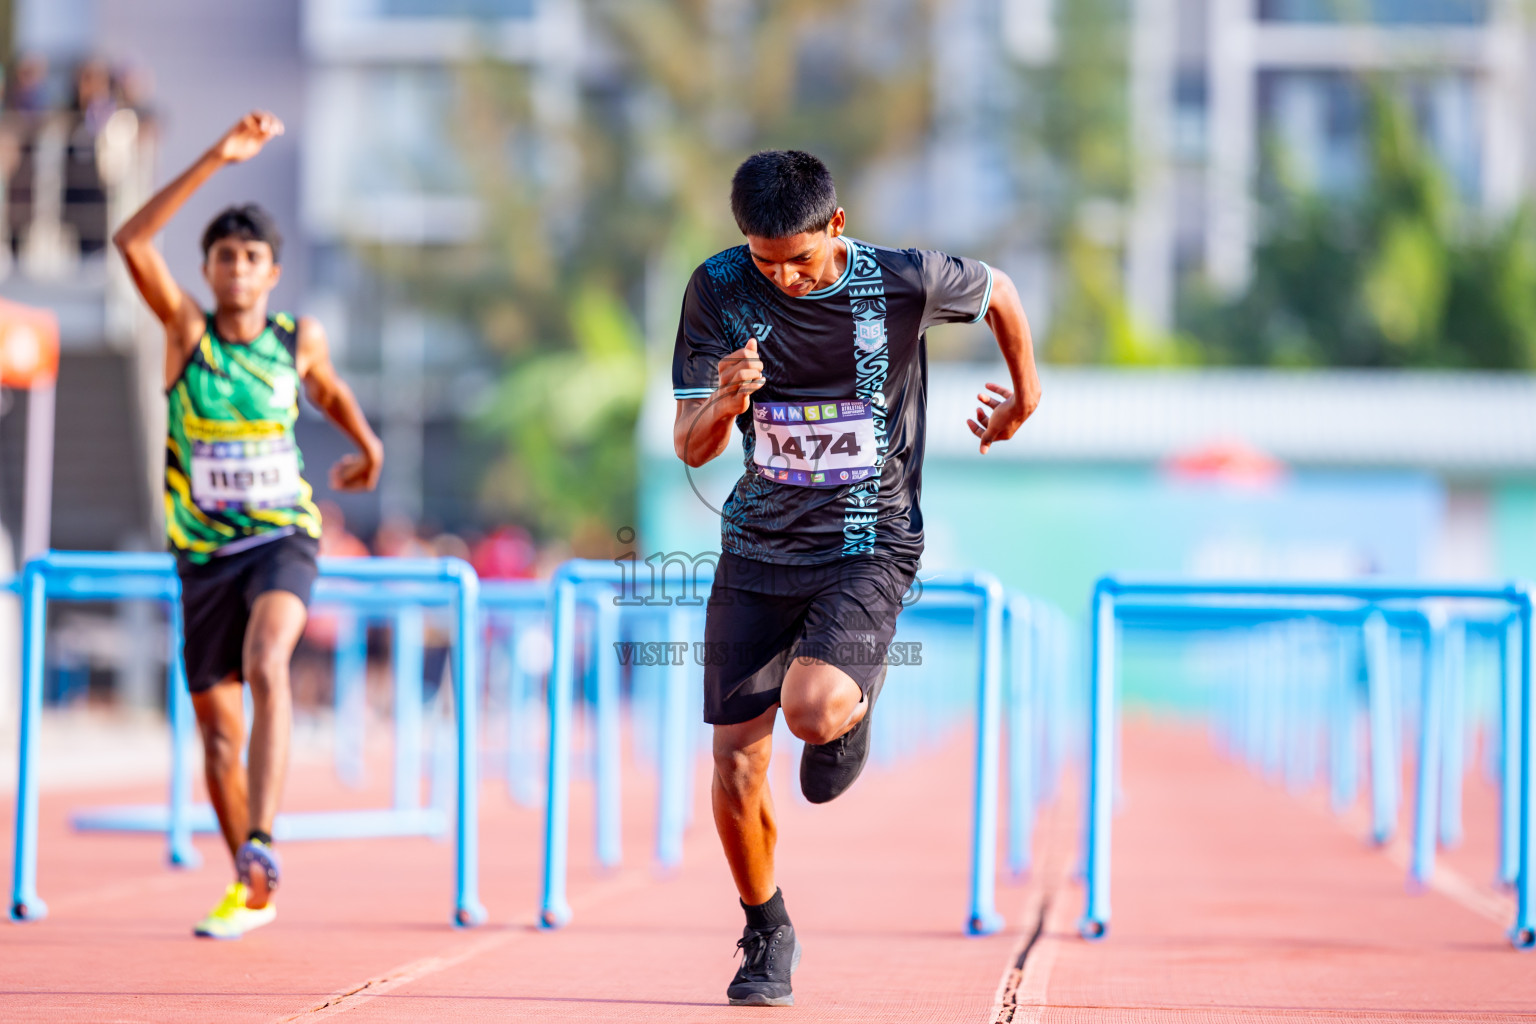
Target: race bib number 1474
pixel 814 444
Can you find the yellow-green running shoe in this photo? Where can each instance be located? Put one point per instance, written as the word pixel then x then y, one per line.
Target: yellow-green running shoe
pixel 232 918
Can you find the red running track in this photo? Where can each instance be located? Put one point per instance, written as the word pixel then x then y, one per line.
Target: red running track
pixel 1233 901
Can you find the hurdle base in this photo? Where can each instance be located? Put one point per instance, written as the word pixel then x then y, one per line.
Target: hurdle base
pixel 984 924
pixel 470 915
pixel 32 909
pixel 552 917
pixel 1092 929
pixel 382 823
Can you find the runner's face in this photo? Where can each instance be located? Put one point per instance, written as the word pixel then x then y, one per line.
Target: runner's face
pixel 241 272
pixel 799 264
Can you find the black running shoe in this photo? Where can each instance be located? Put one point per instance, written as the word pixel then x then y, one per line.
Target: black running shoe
pixel 828 769
pixel 769 957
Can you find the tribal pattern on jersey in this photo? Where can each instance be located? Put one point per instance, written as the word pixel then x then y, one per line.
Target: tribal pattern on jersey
pixel 743 317
pixel 857 340
pixel 233 470
pixel 866 294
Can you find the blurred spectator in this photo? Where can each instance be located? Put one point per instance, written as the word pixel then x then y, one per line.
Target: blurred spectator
pixel 507 552
pixel 335 539
pixel 27 90
pixel 335 542
pixel 135 86
pixel 95 98
pixel 85 193
pixel 450 545
pixel 396 538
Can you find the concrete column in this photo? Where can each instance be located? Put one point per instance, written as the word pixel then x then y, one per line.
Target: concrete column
pixel 1502 88
pixel 1229 218
pixel 1149 245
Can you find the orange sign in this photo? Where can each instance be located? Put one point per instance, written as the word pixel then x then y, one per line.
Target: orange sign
pixel 29 346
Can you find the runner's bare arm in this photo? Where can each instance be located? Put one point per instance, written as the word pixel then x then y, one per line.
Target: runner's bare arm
pixel 332 396
pixel 1000 414
pixel 172 304
pixel 702 430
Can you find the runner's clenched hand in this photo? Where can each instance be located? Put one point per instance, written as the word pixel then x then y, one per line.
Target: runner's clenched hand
pixel 741 373
pixel 246 138
pixel 358 471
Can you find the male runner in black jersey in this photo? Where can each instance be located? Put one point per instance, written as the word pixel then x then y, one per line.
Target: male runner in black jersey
pixel 812 345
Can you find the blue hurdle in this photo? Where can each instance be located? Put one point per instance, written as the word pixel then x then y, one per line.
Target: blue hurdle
pixel 115 575
pixel 513 608
pixel 979 591
pixel 1117 600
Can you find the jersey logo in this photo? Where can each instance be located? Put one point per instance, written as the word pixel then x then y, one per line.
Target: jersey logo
pixel 870 335
pixel 284 393
pixel 760 332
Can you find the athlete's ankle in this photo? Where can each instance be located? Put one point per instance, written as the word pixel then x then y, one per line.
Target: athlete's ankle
pixel 258 836
pixel 768 914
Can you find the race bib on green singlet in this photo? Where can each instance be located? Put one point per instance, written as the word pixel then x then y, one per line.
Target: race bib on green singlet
pixel 814 444
pixel 246 474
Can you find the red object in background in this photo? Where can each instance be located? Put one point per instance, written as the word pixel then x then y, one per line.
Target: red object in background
pixel 1226 462
pixel 506 553
pixel 29 346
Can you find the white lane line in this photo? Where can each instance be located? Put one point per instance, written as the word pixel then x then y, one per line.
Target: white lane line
pixel 1445 880
pixel 357 995
pixel 364 992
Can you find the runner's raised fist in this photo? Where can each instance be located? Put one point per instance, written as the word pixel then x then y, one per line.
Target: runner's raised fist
pixel 246 138
pixel 741 373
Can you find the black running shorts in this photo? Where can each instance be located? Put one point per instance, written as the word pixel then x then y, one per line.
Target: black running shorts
pixel 762 616
pixel 216 601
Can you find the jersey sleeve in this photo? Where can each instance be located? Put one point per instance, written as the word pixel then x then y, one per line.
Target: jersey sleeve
pixel 956 289
pixel 700 342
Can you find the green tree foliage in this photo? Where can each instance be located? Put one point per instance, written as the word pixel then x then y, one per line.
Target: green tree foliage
pixel 1076 180
pixel 1395 276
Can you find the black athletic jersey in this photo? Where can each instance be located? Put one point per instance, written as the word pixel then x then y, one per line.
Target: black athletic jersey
pixel 858 340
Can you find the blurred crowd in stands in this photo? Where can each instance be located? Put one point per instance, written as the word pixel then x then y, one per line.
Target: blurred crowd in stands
pixel 507 552
pixel 80 108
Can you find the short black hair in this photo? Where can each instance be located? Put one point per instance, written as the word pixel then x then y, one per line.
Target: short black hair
pixel 247 222
pixel 782 192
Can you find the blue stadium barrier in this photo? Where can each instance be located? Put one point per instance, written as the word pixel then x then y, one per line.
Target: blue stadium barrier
pixel 363 581
pixel 1273 721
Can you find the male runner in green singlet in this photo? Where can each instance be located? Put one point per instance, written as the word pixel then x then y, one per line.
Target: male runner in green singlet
pixel 811 344
pixel 238 510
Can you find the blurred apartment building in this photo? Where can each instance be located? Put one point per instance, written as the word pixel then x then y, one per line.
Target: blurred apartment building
pixel 1222 90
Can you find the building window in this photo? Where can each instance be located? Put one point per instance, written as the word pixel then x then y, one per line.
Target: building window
pixel 382 158
pixel 1190 110
pixel 1314 128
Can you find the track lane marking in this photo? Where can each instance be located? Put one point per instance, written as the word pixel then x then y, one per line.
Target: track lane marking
pixel 364 992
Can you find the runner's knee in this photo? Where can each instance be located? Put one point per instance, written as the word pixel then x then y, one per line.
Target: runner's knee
pixel 813 722
pixel 266 669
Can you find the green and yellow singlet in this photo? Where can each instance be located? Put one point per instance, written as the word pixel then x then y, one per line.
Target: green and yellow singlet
pixel 233 472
